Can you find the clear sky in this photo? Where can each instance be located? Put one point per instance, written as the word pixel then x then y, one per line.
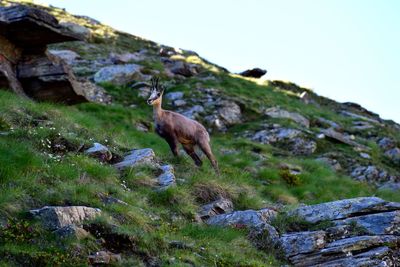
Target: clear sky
pixel 348 50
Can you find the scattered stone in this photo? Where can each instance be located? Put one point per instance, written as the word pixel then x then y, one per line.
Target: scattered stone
pixel 362 125
pixel 167 178
pixel 331 133
pixel 127 57
pixel 357 116
pixel 104 258
pixel 247 218
pixel 365 155
pixel 322 122
pixel 119 74
pixel 174 96
pixel 386 143
pixel 288 139
pixel 394 155
pixel 142 127
pixel 217 207
pixel 179 103
pixel 56 217
pixel 182 68
pixel 253 73
pixel 277 112
pixel 390 186
pixel 136 157
pixel 193 112
pixel 371 174
pixel 93 92
pixel 229 112
pixel 108 200
pixel 302 242
pixel 100 152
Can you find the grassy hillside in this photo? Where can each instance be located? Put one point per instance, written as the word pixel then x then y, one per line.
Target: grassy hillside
pixel 42 162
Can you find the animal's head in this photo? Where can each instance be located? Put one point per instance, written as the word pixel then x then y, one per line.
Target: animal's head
pixel 156 92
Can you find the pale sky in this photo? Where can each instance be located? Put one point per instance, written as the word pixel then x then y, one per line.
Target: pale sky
pixel 347 50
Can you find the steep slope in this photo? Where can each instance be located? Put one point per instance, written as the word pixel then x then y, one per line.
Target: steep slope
pixel 278 145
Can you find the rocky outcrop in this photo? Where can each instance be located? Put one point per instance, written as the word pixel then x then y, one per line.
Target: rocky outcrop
pixel 25 66
pixel 217 207
pixel 167 177
pixel 100 152
pixel 295 141
pixel 136 157
pixel 363 232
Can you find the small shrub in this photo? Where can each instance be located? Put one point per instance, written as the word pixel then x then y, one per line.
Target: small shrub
pixel 289 178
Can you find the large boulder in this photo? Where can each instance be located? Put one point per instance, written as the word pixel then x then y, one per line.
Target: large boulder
pixel 229 112
pixel 57 217
pixel 277 112
pixel 118 74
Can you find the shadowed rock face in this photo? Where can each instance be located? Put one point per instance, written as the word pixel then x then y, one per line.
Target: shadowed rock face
pixel 365 232
pixel 25 66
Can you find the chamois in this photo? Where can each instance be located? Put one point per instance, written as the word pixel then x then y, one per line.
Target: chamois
pixel 176 128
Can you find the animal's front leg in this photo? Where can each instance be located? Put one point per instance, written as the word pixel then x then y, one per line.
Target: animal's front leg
pixel 173 144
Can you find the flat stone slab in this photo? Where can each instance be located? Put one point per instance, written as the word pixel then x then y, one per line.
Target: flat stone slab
pixel 56 217
pixel 136 157
pixel 167 178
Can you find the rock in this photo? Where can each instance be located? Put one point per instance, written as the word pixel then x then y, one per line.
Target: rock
pixel 182 68
pixel 179 103
pixel 366 232
pixel 118 74
pixel 56 217
pixel 127 57
pixel 286 138
pixel 174 96
pixel 247 218
pixel 331 133
pixel 303 242
pixel 385 223
pixel 193 112
pixel 108 200
pixel 357 116
pixel 342 209
pixel 219 206
pixel 167 178
pixel 104 258
pixel 365 156
pixel 136 157
pixel 93 92
pixel 229 112
pixel 99 151
pixel 277 112
pixel 390 186
pixel 292 169
pixel 254 73
pixel 362 125
pixel 331 162
pixel 371 174
pixel 79 30
pixel 169 51
pixel 394 155
pixel 322 122
pixel 67 55
pixel 72 231
pixel 386 143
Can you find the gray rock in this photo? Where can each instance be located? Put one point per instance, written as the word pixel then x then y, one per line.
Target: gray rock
pixel 247 218
pixel 178 67
pixel 136 157
pixel 229 112
pixel 174 95
pixel 385 223
pixel 277 112
pixel 93 92
pixel 286 138
pixel 342 209
pixel 167 178
pixel 361 117
pixel 67 55
pixel 118 74
pixel 193 112
pixel 331 124
pixel 331 133
pixel 127 57
pixel 99 151
pixel 179 103
pixel 386 143
pixel 394 155
pixel 362 125
pixel 83 32
pixel 331 162
pixel 371 174
pixel 390 186
pixel 303 242
pixel 253 73
pixel 365 156
pixel 217 207
pixel 56 217
pixel 72 231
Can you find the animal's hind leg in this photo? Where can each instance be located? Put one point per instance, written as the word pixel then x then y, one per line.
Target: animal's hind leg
pixel 190 151
pixel 205 147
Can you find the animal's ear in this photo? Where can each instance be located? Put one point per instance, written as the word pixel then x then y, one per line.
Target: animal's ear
pixel 161 89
